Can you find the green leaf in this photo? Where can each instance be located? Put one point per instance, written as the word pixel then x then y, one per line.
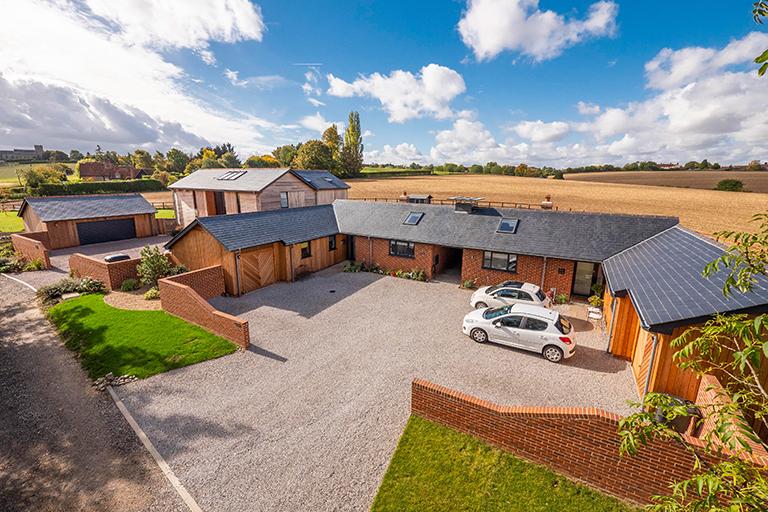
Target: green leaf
pixel 763 69
pixel 765 348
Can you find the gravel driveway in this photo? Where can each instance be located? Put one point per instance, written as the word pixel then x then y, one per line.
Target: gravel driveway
pixel 309 418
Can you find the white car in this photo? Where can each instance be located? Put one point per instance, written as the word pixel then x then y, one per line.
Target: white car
pixel 508 293
pixel 522 326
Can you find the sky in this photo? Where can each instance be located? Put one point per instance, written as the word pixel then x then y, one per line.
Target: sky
pixel 558 83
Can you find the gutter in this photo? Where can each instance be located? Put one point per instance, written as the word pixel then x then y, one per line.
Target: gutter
pixel 655 339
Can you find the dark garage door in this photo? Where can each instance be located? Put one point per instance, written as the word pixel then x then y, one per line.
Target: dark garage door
pixel 105 231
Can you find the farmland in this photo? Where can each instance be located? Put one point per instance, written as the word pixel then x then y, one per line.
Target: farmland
pixel 8 173
pixel 753 181
pixel 706 211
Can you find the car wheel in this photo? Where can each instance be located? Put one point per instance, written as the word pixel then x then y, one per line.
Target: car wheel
pixel 478 335
pixel 481 305
pixel 552 353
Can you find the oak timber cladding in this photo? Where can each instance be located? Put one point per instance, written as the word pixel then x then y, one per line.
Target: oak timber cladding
pixel 63 233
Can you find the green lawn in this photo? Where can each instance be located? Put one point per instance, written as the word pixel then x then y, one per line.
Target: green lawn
pixel 140 343
pixel 8 171
pixel 165 214
pixel 10 223
pixel 438 469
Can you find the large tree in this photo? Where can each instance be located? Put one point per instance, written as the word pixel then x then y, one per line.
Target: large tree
pixel 261 162
pixel 313 154
pixel 286 154
pixel 352 153
pixel 332 139
pixel 759 12
pixel 177 160
pixel 141 159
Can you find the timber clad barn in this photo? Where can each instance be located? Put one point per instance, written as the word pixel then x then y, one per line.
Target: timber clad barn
pixel 209 192
pixel 652 266
pixel 70 221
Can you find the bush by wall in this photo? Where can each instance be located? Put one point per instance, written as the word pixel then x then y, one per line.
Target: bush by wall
pixel 99 187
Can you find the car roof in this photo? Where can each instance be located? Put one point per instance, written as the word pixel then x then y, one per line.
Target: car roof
pixel 530 287
pixel 536 311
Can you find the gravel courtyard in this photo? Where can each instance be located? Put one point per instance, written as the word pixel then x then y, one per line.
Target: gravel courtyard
pixel 310 416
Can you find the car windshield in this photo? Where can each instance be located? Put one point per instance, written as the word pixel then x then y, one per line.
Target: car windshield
pixel 492 289
pixel 491 313
pixel 540 295
pixel 563 325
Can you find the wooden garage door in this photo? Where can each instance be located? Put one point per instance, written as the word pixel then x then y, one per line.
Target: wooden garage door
pixel 257 268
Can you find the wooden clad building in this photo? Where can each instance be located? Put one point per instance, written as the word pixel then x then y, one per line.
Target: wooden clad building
pixel 80 220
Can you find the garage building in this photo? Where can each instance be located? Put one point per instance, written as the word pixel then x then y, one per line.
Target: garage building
pixel 80 220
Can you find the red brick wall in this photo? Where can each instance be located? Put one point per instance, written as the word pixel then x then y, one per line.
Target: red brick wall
pixel 186 296
pixel 376 252
pixel 581 443
pixel 528 269
pixel 111 274
pixel 32 246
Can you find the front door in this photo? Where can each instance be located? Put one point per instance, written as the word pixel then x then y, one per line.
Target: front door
pixel 583 278
pixel 351 248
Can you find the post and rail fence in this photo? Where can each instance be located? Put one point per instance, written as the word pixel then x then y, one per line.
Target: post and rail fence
pixel 482 204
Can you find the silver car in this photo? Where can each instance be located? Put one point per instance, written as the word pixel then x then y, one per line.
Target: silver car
pixel 522 326
pixel 508 293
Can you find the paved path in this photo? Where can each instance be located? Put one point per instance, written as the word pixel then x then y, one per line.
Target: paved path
pixel 63 446
pixel 309 418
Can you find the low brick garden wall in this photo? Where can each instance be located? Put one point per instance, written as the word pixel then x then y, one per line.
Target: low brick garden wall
pixel 186 296
pixel 111 274
pixel 581 443
pixel 32 246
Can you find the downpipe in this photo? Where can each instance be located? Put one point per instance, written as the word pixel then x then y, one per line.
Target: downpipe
pixel 650 363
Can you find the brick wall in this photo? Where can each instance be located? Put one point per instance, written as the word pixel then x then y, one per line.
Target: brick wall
pixel 376 252
pixel 111 274
pixel 558 274
pixel 186 296
pixel 32 246
pixel 581 443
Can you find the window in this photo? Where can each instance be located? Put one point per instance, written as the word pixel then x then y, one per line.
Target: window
pixel 521 295
pixel 283 199
pixel 332 243
pixel 563 325
pixel 413 218
pixel 491 313
pixel 511 321
pixel 540 295
pixel 534 324
pixel 230 175
pixel 507 226
pixel 402 249
pixel 507 293
pixel 500 261
pixel 306 249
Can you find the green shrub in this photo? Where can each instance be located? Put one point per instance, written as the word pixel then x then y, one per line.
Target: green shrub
pixel 52 293
pixel 129 285
pixel 413 274
pixel 154 265
pixel 99 187
pixel 469 284
pixel 595 301
pixel 561 299
pixel 36 264
pixel 7 250
pixel 12 264
pixel 152 294
pixel 730 185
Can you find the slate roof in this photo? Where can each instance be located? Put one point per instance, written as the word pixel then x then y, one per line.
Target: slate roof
pixel 568 235
pixel 87 207
pixel 255 180
pixel 288 225
pixel 662 276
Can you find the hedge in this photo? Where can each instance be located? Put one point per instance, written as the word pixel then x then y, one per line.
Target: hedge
pixel 99 187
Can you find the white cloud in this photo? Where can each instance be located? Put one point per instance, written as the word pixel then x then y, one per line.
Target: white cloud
pixel 315 102
pixel 490 27
pixel 673 68
pixel 368 133
pixel 467 141
pixel 115 58
pixel 207 56
pixel 311 87
pixel 587 109
pixel 404 95
pixel 317 123
pixel 259 82
pixel 539 131
pixel 403 153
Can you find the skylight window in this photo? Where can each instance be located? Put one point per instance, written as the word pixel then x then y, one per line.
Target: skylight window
pixel 329 180
pixel 507 226
pixel 230 175
pixel 413 218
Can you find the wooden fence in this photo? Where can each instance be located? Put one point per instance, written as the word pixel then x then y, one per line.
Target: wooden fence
pixel 482 204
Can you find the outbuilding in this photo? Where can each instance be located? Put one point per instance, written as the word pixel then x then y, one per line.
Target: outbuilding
pixel 80 220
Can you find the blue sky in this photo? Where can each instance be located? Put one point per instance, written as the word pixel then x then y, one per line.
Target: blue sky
pixel 433 80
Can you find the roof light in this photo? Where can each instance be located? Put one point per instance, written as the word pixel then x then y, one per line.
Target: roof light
pixel 231 175
pixel 507 226
pixel 413 218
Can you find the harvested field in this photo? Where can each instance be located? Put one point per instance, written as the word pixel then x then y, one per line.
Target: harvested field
pixel 706 211
pixel 753 181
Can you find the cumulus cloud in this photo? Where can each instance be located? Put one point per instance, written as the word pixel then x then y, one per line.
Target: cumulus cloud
pixel 132 73
pixel 539 131
pixel 587 109
pixel 311 85
pixel 259 82
pixel 403 153
pixel 405 95
pixel 490 27
pixel 317 123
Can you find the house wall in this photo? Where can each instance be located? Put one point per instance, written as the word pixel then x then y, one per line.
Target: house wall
pixel 329 196
pixel 249 201
pixel 375 251
pixel 184 205
pixel 62 234
pixel 32 221
pixel 558 273
pixel 300 194
pixel 321 256
pixel 198 249
pixel 231 202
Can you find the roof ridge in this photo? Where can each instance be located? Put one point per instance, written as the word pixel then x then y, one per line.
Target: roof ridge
pixel 80 196
pixel 642 242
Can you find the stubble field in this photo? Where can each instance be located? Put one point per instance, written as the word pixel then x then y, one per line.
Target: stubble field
pixel 706 211
pixel 753 181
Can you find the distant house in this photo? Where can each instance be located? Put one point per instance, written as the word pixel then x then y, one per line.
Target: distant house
pixel 106 171
pixel 210 192
pixel 21 155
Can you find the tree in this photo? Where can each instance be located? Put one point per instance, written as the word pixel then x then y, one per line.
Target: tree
pixel 154 265
pixel 33 177
pixel 75 155
pixel 56 156
pixel 177 160
pixel 352 152
pixel 286 154
pixel 760 11
pixel 332 139
pixel 313 154
pixel 730 185
pixel 229 160
pixel 755 165
pixel 222 149
pixel 476 169
pixel 260 162
pixel 141 159
pixel 734 348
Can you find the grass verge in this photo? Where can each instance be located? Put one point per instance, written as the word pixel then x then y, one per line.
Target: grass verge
pixel 140 343
pixel 438 469
pixel 10 223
